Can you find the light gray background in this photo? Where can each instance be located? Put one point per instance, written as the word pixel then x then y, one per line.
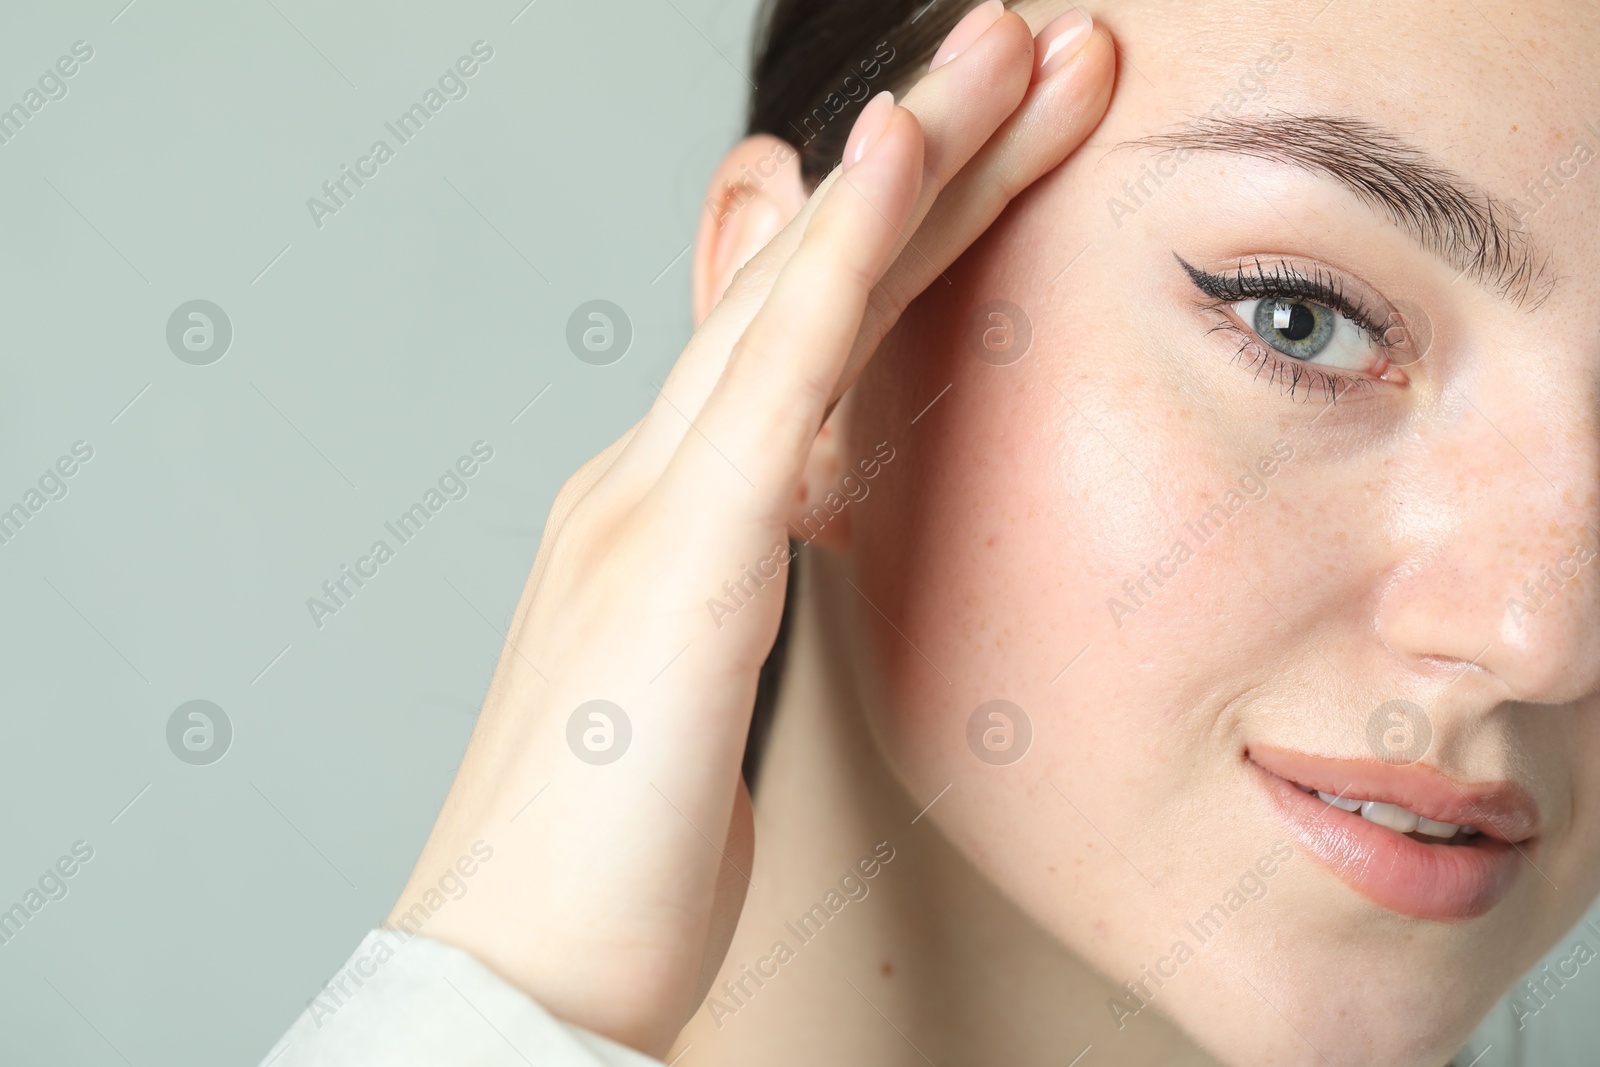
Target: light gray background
pixel 367 356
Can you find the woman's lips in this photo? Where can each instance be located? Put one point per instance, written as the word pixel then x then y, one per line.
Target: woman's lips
pixel 1440 882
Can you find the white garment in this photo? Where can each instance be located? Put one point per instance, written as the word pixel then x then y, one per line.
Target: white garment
pixel 409 1001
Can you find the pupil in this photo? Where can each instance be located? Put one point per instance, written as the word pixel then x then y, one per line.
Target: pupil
pixel 1301 322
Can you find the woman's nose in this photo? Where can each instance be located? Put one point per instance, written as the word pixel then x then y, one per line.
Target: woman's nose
pixel 1507 573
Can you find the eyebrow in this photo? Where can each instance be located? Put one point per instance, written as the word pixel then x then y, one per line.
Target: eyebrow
pixel 1463 225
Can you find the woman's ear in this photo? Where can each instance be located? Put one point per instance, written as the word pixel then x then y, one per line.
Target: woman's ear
pixel 754 193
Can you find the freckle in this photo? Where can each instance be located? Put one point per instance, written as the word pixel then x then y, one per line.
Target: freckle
pixel 887 968
pixel 990 542
pixel 1052 869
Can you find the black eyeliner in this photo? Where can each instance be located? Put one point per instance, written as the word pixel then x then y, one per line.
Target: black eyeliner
pixel 1281 281
pixel 1284 282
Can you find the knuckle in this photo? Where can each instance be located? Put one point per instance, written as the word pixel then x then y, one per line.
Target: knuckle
pixel 755 276
pixel 884 307
pixel 568 497
pixel 839 250
pixel 840 267
pixel 860 276
pixel 814 393
pixel 747 351
pixel 579 486
pixel 1001 185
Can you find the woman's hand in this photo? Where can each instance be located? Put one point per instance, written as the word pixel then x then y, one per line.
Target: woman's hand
pixel 614 887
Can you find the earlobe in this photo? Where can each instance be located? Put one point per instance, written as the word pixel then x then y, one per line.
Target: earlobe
pixel 820 512
pixel 755 191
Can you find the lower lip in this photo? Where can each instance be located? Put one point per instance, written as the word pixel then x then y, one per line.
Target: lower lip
pixel 1442 883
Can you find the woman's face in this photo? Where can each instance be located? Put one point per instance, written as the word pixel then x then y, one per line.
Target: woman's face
pixel 1318 509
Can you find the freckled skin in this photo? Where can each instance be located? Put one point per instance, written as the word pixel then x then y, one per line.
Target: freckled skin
pixel 1379 563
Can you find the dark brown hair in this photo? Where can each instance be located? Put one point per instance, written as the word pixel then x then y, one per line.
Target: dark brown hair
pixel 817 64
pixel 819 61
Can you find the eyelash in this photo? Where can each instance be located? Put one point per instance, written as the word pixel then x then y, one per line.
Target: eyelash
pixel 1284 281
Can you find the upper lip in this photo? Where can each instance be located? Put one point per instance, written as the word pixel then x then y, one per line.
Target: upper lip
pixel 1503 810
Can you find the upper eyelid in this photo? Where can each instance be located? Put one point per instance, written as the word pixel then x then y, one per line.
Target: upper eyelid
pixel 1324 289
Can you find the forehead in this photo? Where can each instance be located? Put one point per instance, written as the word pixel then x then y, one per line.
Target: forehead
pixel 1506 96
pixel 1483 63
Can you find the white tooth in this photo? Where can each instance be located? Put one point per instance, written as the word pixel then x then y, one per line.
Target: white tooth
pixel 1395 818
pixel 1436 829
pixel 1469 830
pixel 1342 803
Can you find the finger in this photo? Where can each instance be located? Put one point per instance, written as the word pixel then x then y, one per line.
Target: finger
pixel 1058 114
pixel 764 411
pixel 958 106
pixel 1059 111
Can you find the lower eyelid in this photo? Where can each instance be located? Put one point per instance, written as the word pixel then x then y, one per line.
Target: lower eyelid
pixel 1293 374
pixel 1275 368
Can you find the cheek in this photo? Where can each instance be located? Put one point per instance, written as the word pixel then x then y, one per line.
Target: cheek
pixel 1076 536
pixel 961 547
pixel 995 548
pixel 992 547
pixel 1072 508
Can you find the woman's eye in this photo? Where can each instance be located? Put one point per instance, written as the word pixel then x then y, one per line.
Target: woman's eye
pixel 1308 332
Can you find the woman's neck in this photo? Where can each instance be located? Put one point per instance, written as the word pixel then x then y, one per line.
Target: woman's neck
pixel 865 937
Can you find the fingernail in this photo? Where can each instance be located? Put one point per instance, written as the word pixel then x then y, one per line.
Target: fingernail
pixel 969 29
pixel 1060 41
pixel 870 124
